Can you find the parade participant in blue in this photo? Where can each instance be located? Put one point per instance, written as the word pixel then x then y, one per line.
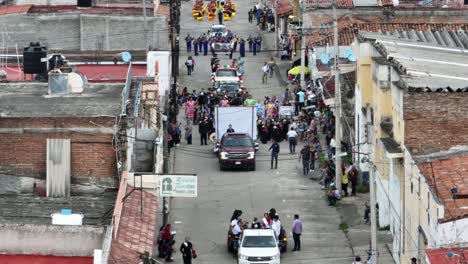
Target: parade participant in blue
pixel 205 44
pixel 250 40
pixel 242 47
pixel 188 41
pixel 200 43
pixel 254 47
pixel 258 41
pixel 195 47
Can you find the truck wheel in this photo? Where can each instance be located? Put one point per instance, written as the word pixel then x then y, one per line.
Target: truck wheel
pixel 252 168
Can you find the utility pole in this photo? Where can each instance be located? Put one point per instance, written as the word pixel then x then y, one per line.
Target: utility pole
pixel 145 27
pixel 337 104
pixel 373 203
pixel 303 41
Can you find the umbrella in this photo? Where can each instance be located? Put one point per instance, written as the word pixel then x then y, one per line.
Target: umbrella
pixel 297 70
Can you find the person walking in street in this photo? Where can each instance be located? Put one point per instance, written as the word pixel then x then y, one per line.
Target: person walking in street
pixel 271 66
pixel 190 63
pixel 188 41
pixel 275 149
pixel 305 155
pixel 220 15
pixel 188 133
pixel 297 231
pixel 242 48
pixel 203 128
pixel 250 15
pixel 292 137
pixel 357 260
pixel 187 251
pixel 265 73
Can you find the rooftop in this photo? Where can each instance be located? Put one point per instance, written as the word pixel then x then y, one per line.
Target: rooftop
pixel 32 100
pixel 32 209
pixel 427 63
pixel 349 26
pixel 440 255
pixel 39 259
pixel 443 172
pixel 135 229
pixel 123 9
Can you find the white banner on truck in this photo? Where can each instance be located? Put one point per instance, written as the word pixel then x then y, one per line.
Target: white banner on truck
pixel 242 120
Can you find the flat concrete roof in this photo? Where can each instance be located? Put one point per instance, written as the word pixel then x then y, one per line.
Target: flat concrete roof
pixel 32 100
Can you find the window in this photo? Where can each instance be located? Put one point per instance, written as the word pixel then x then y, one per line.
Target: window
pixel 465 2
pixel 259 242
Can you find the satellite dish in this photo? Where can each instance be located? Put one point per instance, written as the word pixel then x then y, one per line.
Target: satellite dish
pixel 75 82
pixel 324 58
pixel 126 56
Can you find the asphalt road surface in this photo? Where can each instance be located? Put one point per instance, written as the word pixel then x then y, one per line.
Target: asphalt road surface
pixel 206 218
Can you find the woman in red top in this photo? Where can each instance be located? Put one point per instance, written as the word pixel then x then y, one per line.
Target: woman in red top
pixel 166 233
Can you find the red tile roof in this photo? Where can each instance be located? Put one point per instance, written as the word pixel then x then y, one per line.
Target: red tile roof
pixel 163 10
pixel 328 3
pixel 349 25
pixel 18 9
pixel 39 259
pixel 441 177
pixel 440 256
pixel 100 9
pixel 136 232
pixel 284 8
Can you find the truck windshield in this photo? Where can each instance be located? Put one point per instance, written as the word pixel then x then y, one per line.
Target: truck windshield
pixel 226 73
pixel 238 142
pixel 259 242
pixel 229 87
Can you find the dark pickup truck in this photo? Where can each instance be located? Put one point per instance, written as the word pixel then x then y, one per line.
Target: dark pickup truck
pixel 236 150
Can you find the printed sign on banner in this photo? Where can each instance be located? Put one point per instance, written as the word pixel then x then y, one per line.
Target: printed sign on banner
pixel 178 186
pixel 286 111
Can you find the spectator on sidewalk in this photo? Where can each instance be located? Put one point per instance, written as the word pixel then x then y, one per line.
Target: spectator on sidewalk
pixel 344 183
pixel 332 148
pixel 275 149
pixel 305 155
pixel 292 137
pixel 297 231
pixel 353 177
pixel 333 195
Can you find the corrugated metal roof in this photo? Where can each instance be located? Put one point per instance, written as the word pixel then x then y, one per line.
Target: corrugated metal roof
pixel 427 61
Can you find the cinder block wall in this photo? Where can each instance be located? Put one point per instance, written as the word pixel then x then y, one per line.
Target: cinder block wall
pixel 435 121
pixel 24 154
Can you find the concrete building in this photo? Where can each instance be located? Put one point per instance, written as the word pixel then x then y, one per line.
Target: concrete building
pixel 101 27
pixel 40 180
pixel 413 89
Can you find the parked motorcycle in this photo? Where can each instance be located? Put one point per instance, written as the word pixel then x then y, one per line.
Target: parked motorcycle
pixel 283 241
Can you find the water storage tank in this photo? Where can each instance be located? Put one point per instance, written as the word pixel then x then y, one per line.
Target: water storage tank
pixel 35 58
pixel 84 3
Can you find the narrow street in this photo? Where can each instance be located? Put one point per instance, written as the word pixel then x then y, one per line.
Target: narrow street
pixel 206 218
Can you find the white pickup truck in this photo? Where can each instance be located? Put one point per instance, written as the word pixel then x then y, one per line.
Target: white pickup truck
pixel 258 246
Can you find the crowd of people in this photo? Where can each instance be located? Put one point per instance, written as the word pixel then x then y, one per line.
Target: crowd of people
pixel 263 16
pixel 206 43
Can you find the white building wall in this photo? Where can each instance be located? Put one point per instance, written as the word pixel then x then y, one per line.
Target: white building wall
pixel 454 232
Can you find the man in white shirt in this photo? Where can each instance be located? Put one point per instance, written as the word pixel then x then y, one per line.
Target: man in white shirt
pixel 236 230
pixel 292 136
pixel 265 70
pixel 276 226
pixel 332 147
